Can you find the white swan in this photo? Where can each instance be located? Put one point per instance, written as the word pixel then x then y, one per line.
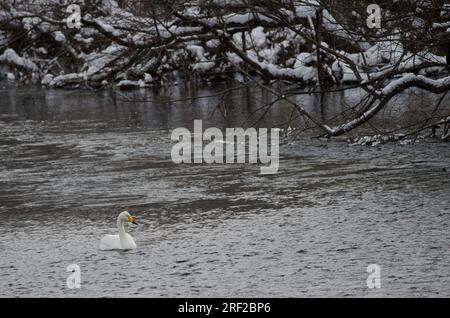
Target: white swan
pixel 123 241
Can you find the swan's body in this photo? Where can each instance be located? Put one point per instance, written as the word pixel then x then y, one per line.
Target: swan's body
pixel 123 241
pixel 113 242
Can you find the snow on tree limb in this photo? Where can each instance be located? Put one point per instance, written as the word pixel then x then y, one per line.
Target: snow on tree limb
pixel 308 43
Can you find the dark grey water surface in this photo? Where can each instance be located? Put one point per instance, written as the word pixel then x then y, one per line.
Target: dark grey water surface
pixel 72 160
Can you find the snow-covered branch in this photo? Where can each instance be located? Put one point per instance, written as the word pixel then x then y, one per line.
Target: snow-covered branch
pixel 307 42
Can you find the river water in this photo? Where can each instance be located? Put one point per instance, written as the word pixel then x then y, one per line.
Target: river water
pixel 72 160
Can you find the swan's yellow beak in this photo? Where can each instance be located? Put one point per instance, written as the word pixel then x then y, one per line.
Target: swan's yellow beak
pixel 131 219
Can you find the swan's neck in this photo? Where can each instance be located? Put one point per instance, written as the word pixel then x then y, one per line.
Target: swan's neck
pixel 120 226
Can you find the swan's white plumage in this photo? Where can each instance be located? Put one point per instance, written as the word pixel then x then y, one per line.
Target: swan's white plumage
pixel 112 242
pixel 123 241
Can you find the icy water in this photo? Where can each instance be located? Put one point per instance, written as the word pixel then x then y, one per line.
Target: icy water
pixel 72 160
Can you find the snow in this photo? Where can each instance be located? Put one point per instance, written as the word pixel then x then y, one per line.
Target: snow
pixel 213 43
pixel 304 58
pixel 336 68
pixel 42 50
pixel 306 9
pixel 179 30
pixel 202 63
pixel 237 18
pixel 139 38
pixel 197 51
pixel 30 22
pixel 45 27
pixel 10 56
pixel 279 50
pixel 59 36
pixel 233 58
pixel 349 76
pixel 88 41
pixel 258 36
pixel 410 77
pixel 107 28
pixel 88 32
pixel 203 66
pixel 97 61
pixel 126 84
pixel 47 80
pixel 60 80
pixel 238 77
pixel 148 78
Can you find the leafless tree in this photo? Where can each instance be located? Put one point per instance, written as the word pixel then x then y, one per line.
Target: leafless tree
pixel 323 45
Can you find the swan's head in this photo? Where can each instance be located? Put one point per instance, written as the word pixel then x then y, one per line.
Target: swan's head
pixel 125 216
